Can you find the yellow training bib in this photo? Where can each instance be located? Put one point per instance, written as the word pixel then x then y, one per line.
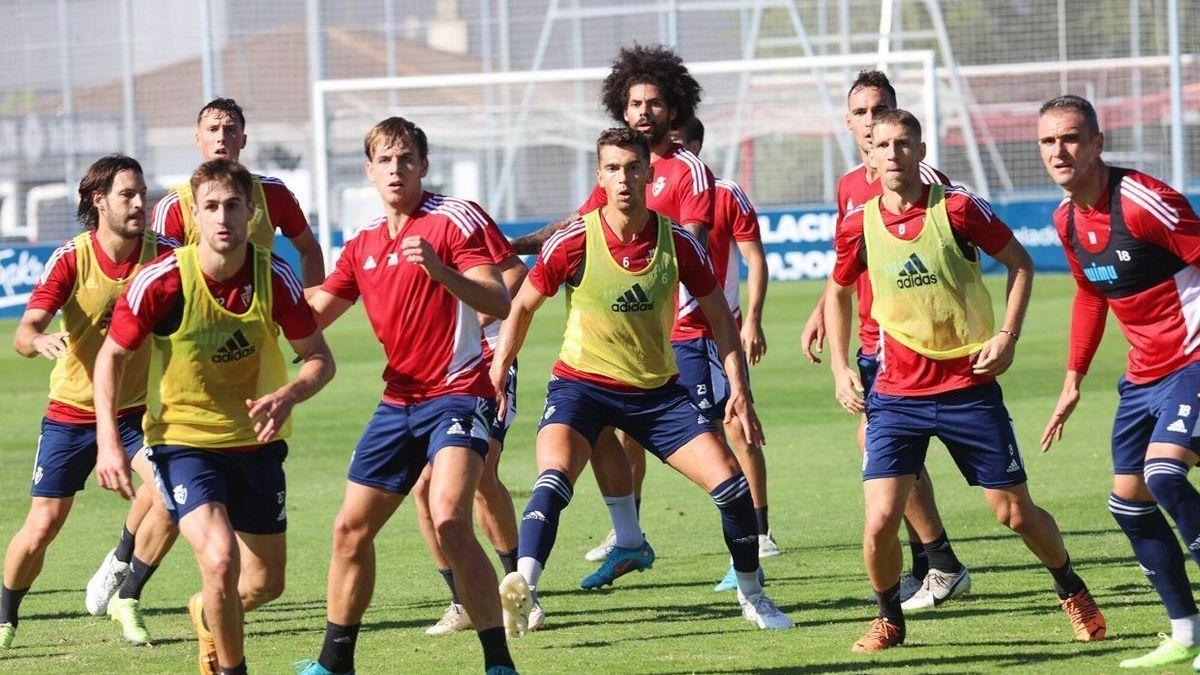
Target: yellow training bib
pixel 261 231
pixel 928 295
pixel 85 317
pixel 619 322
pixel 203 373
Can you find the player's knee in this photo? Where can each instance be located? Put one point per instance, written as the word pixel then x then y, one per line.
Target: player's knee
pixel 41 529
pixel 491 488
pixel 1015 514
pixel 451 525
pixel 350 535
pixel 219 566
pixel 268 587
pixel 1167 481
pixel 882 521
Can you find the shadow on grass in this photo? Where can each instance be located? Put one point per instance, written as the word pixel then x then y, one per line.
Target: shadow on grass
pixel 893 659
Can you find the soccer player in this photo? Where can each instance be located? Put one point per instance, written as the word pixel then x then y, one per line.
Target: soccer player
pixel 649 89
pixel 422 271
pixel 734 230
pixel 220 134
pixel 936 575
pixel 1133 245
pixel 82 280
pixel 493 502
pixel 216 425
pixel 622 264
pixel 920 245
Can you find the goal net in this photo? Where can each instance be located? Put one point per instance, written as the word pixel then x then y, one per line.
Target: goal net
pixel 523 143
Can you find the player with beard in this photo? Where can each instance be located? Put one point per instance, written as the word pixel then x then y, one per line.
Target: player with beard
pixel 81 281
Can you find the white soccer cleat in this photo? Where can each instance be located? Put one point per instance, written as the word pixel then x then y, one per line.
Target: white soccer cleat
pixel 767 548
pixel 453 620
pixel 909 585
pixel 937 588
pixel 104 583
pixel 764 613
pixel 515 601
pixel 602 550
pixel 537 616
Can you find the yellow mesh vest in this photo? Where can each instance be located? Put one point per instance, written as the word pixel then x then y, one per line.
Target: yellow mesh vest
pixel 262 232
pixel 928 295
pixel 202 374
pixel 619 322
pixel 85 318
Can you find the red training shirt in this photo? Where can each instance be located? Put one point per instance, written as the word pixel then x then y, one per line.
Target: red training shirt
pixel 681 189
pixel 563 254
pixel 431 339
pixel 1162 322
pixel 282 207
pixel 854 190
pixel 153 302
pixel 734 220
pixel 902 371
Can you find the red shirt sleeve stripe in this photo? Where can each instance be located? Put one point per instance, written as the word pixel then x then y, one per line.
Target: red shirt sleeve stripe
pixel 148 274
pixel 285 272
pixel 687 236
pixel 695 168
pixel 575 228
pixel 54 258
pixel 743 201
pixel 980 203
pixel 438 204
pixel 1151 201
pixel 158 222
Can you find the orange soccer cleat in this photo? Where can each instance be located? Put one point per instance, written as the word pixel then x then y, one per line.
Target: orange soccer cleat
pixel 881 635
pixel 208 662
pixel 1086 620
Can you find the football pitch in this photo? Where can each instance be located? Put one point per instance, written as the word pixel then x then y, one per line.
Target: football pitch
pixel 666 620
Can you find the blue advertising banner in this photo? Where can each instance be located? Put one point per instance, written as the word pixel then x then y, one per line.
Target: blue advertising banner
pixel 798 243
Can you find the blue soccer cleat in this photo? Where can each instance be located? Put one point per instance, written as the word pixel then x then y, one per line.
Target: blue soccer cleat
pixel 620 561
pixel 729 581
pixel 310 667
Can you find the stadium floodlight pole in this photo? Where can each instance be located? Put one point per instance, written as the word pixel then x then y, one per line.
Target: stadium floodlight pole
pixel 816 64
pixel 1178 168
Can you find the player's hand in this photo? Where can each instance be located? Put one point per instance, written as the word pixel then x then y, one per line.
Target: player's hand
pixel 417 251
pixel 269 413
pixel 51 345
pixel 112 468
pixel 814 334
pixel 499 378
pixel 739 407
pixel 848 390
pixel 754 342
pixel 996 356
pixel 1067 401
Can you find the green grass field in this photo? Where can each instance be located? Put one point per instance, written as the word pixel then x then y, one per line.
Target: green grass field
pixel 666 620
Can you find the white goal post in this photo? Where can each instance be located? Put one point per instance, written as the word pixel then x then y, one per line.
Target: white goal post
pixel 524 138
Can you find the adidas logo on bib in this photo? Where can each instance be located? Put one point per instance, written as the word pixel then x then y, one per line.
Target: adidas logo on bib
pixel 914 273
pixel 633 300
pixel 236 348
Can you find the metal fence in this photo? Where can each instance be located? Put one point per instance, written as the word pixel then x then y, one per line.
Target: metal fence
pixel 86 77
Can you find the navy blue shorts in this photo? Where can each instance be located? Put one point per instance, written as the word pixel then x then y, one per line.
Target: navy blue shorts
pixel 973 424
pixel 1163 411
pixel 868 368
pixel 702 374
pixel 662 420
pixel 66 454
pixel 401 439
pixel 498 428
pixel 251 485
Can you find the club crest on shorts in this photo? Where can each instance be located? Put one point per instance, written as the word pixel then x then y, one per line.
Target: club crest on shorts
pixel 180 494
pixel 549 411
pixel 37 475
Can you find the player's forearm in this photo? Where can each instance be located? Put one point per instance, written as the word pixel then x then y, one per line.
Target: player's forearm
pixel 107 375
pixel 531 244
pixel 512 335
pixel 486 296
pixel 836 308
pixel 756 281
pixel 312 267
pixel 1020 286
pixel 315 372
pixel 24 338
